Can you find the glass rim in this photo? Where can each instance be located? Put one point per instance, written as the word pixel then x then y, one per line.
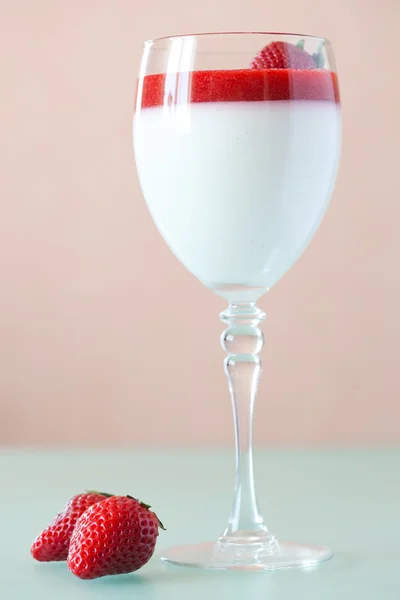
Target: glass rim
pixel 223 33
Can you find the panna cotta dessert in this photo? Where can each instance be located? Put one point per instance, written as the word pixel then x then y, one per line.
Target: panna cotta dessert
pixel 238 166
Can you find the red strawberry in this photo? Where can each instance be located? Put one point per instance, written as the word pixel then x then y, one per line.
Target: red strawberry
pixel 53 542
pixel 282 55
pixel 117 535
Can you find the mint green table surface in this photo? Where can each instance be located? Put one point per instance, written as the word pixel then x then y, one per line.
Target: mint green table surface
pixel 349 500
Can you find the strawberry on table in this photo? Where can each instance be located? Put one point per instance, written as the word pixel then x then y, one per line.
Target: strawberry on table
pixel 53 543
pixel 283 55
pixel 117 535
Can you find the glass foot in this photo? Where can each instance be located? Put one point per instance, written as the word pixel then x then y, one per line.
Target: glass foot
pixel 210 556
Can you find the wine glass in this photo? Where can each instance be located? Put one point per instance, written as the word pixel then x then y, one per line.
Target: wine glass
pixel 237 144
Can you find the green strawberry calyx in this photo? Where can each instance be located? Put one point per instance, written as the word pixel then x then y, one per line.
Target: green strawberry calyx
pixel 318 56
pixel 105 494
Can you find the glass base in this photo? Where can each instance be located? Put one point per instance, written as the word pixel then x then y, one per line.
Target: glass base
pixel 210 555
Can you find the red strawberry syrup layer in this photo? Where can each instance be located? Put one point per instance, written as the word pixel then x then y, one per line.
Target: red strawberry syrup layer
pixel 245 85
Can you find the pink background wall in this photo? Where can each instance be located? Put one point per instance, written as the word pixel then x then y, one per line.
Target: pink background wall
pixel 104 337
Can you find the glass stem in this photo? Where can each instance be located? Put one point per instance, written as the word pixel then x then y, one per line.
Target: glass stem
pixel 242 341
